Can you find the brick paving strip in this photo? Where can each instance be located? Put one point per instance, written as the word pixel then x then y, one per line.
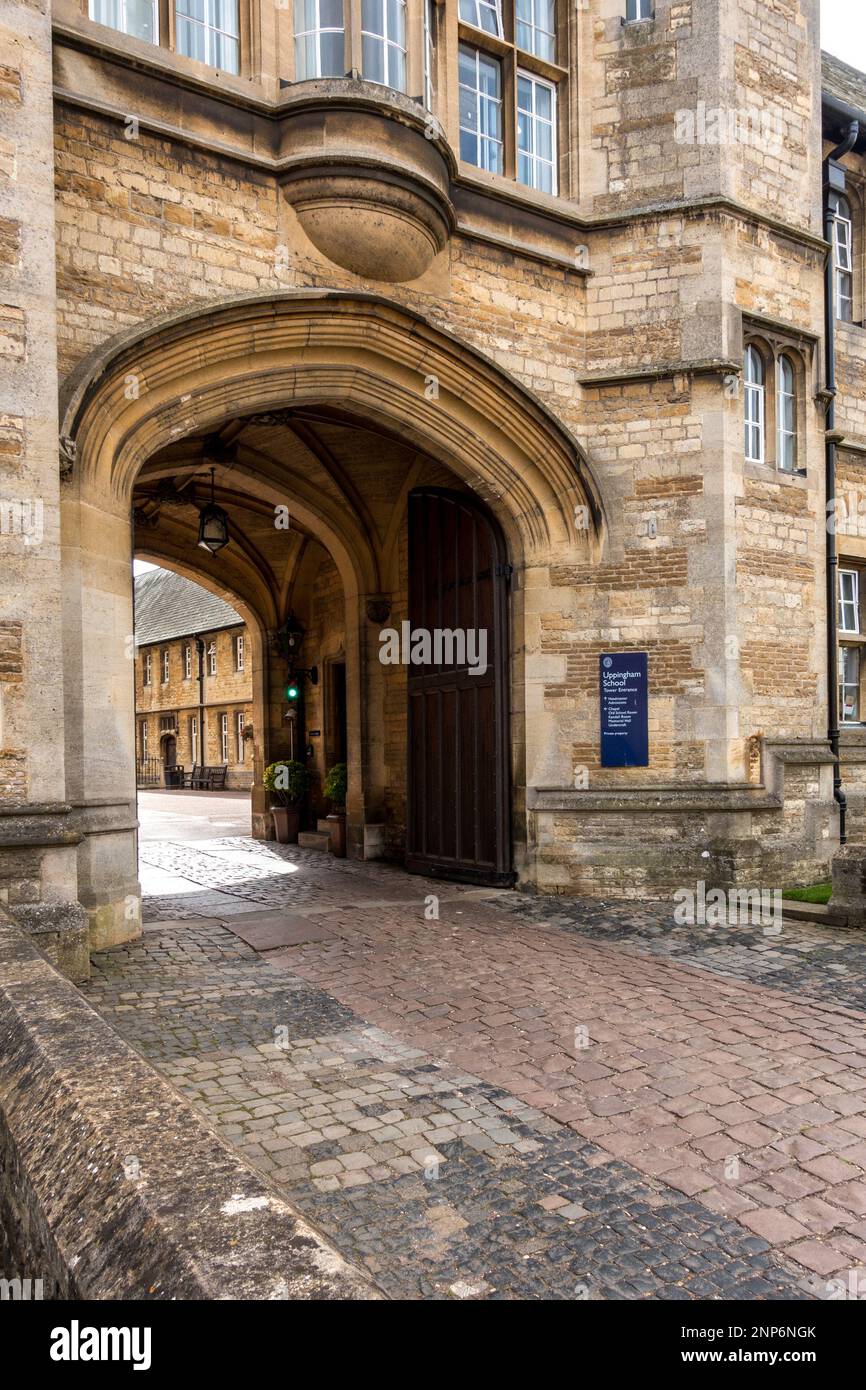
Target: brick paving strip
pixel 426 1103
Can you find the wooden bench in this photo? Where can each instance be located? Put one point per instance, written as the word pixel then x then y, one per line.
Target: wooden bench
pixel 204 778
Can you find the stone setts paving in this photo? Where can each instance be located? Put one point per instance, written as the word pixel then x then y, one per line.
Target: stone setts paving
pixel 521 1096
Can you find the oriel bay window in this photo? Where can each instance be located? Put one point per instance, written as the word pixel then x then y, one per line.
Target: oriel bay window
pixel 495 72
pixel 334 37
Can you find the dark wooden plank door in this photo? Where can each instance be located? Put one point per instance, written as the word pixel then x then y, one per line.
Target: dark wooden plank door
pixel 458 810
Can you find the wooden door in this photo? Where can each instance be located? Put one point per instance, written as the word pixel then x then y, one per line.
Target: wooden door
pixel 458 805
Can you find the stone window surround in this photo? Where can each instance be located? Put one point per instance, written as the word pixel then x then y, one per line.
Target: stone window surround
pixel 511 60
pixel 772 343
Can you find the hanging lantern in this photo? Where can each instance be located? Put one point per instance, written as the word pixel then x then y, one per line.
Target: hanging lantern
pixel 213 524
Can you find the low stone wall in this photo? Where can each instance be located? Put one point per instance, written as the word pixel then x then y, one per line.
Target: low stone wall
pixel 111 1186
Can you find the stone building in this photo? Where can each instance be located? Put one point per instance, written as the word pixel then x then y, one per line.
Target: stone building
pixel 192 682
pixel 496 316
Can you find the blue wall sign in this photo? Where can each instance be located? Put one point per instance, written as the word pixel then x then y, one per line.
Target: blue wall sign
pixel 624 709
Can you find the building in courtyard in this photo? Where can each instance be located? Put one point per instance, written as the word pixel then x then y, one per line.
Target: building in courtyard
pixel 192 685
pixel 500 319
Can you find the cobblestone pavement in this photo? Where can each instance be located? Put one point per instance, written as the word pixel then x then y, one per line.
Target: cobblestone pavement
pixel 523 1098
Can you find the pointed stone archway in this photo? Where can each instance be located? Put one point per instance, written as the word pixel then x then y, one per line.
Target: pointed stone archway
pixel 311 366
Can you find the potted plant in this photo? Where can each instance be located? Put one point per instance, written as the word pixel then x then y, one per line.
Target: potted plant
pixel 334 789
pixel 287 781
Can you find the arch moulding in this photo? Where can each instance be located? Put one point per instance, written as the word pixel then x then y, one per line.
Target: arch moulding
pixel 189 372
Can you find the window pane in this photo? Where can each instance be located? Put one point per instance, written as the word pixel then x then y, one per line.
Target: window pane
pixel 849 684
pixel 483 14
pixel 373 59
pixel 396 68
pixel 107 12
pixel 305 57
pixel 225 52
pixel 224 15
pixel 372 16
pixel 141 20
pixel 330 13
pixel 488 72
pixel 467 67
pixel 333 55
pixel 190 39
pixel 468 111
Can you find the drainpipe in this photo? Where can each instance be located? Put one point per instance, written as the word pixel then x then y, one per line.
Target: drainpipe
pixel 833 180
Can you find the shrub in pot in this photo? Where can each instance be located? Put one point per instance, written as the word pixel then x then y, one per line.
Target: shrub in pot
pixel 334 788
pixel 287 782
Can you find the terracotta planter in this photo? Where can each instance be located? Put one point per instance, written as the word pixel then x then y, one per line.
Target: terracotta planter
pixel 287 823
pixel 337 830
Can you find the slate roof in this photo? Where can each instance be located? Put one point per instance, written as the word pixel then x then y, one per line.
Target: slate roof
pixel 167 606
pixel 842 81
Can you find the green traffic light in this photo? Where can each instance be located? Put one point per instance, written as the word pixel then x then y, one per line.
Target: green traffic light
pixel 292 692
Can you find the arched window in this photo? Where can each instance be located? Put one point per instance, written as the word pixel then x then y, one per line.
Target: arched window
pixel 320 39
pixel 786 414
pixel 755 406
pixel 843 256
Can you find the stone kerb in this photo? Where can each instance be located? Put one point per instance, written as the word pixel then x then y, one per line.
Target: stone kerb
pixel 111 1186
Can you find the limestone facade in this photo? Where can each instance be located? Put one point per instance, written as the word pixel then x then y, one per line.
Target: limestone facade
pixel 334 291
pixel 193 687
